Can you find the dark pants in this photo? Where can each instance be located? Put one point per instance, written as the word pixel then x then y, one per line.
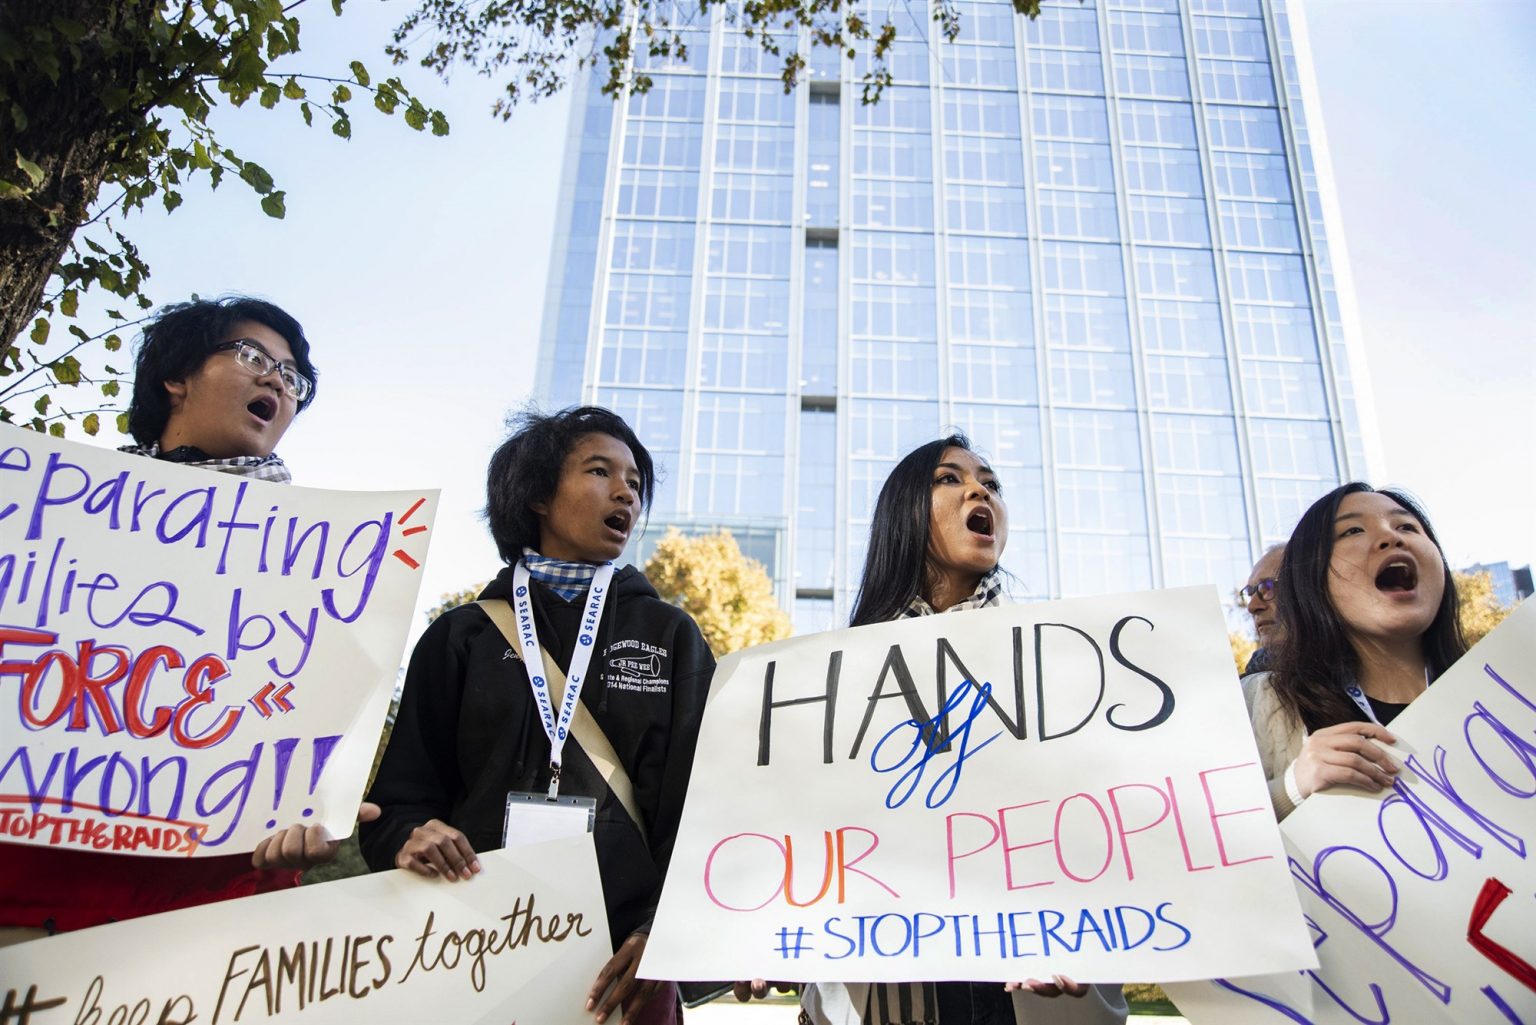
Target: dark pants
pixel 974 1003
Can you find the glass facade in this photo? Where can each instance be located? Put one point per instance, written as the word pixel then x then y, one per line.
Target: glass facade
pixel 1093 241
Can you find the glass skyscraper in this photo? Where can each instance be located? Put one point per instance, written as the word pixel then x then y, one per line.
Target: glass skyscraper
pixel 1093 241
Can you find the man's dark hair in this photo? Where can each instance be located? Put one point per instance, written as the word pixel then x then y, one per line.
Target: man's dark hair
pixel 182 336
pixel 525 470
pixel 1315 661
pixel 896 562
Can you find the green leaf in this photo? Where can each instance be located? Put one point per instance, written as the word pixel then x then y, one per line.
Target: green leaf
pixel 122 423
pixel 69 302
pixel 256 177
pixel 309 115
pixel 416 117
pixel 341 94
pixel 91 424
pixel 342 126
pixel 40 328
pixel 172 200
pixel 110 389
pixel 360 73
pixel 56 429
pixel 439 124
pixel 66 370
pixel 41 405
pixel 273 205
pixel 30 169
pixel 269 95
pixel 113 343
pixel 293 90
pixel 200 157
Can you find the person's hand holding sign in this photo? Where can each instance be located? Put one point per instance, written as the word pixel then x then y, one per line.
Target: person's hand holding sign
pixel 1058 986
pixel 1345 753
pixel 304 847
pixel 437 849
pixel 616 983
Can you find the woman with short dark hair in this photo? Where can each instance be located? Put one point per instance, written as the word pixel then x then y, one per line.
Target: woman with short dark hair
pixel 1368 616
pixel 474 730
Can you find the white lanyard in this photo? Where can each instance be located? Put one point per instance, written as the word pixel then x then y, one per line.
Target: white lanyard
pixel 1358 696
pixel 581 656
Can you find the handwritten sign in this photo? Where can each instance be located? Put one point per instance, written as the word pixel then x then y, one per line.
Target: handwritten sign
pixel 522 941
pixel 1420 899
pixel 190 659
pixel 1068 787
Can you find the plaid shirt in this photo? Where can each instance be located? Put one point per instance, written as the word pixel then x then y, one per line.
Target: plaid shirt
pixel 269 468
pixel 989 592
pixel 567 579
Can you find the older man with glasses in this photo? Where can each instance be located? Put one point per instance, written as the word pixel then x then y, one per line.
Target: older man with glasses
pixel 1258 596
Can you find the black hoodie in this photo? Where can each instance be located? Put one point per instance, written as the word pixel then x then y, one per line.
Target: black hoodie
pixel 468 732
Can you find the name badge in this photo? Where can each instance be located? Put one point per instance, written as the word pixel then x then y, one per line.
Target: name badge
pixel 536 817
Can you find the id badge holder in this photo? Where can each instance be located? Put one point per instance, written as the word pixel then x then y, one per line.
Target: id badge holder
pixel 533 817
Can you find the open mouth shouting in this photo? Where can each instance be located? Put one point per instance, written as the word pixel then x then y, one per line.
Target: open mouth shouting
pixel 263 408
pixel 980 522
pixel 1399 576
pixel 619 523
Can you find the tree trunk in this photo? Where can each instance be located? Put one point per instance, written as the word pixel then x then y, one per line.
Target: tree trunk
pixel 64 129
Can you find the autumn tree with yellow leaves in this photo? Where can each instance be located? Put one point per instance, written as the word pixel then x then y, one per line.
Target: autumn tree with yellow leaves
pixel 1480 609
pixel 728 594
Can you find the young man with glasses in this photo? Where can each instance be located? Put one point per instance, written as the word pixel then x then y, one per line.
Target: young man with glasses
pixel 1258 597
pixel 216 385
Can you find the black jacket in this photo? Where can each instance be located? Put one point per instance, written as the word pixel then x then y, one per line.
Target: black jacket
pixel 468 732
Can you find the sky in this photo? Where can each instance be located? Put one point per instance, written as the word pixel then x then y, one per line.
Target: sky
pixel 418 265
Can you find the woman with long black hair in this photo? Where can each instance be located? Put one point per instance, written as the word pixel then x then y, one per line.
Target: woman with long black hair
pixel 939 529
pixel 1368 613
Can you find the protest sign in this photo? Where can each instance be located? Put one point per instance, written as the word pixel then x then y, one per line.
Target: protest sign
pixel 1420 899
pixel 996 794
pixel 521 941
pixel 191 659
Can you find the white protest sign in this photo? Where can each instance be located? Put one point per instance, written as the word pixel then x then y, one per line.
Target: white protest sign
pixel 1093 806
pixel 521 941
pixel 1420 899
pixel 190 659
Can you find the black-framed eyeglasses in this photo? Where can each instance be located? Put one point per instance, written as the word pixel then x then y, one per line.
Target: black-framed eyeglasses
pixel 1262 589
pixel 252 357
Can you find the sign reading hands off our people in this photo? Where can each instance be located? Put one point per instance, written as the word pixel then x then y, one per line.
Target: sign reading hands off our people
pixel 1420 900
pixel 190 659
pixel 998 794
pixel 521 942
